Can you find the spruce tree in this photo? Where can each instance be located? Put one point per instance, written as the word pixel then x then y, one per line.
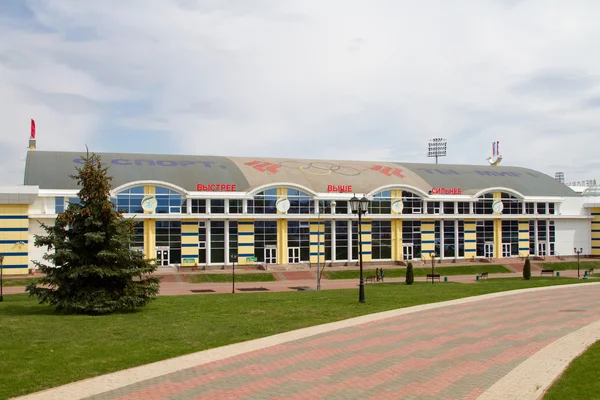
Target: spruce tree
pixel 89 267
pixel 410 277
pixel 527 269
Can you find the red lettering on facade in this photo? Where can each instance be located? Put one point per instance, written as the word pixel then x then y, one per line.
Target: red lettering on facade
pixel 339 188
pixel 453 191
pixel 215 187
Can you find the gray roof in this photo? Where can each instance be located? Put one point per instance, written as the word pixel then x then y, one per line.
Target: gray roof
pixel 51 170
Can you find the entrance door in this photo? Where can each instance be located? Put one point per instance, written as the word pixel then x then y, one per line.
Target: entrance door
pixel 506 250
pixel 294 255
pixel 271 255
pixel 162 257
pixel 542 249
pixel 407 252
pixel 488 250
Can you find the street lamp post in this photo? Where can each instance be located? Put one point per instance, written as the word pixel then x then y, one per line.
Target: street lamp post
pixel 360 207
pixel 1 276
pixel 578 252
pixel 331 205
pixel 432 265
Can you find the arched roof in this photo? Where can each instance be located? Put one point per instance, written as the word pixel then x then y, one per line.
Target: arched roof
pixel 51 170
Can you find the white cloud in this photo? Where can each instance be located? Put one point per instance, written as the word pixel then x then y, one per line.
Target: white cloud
pixel 334 79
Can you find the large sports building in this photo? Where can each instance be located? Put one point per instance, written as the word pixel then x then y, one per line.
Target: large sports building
pixel 199 210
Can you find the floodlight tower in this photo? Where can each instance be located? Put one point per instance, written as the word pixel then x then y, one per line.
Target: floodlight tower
pixel 560 176
pixel 437 148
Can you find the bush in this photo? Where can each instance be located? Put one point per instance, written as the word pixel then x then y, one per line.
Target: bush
pixel 410 277
pixel 527 270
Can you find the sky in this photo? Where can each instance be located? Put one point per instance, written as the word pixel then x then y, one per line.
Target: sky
pixel 332 79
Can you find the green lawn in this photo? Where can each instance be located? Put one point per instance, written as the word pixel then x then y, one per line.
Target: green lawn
pixel 35 340
pixel 18 281
pixel 562 266
pixel 421 271
pixel 580 379
pixel 224 278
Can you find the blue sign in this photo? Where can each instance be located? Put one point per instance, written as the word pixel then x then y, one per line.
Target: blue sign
pixel 155 163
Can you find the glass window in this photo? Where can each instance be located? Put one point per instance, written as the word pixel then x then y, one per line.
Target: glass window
pixel 341 207
pixel 512 205
pixel 236 206
pixel 299 237
pixel 551 208
pixel 137 238
pixel 433 207
pixel 130 201
pixel 541 208
pixel 198 206
pixel 411 235
pixel 263 203
pixel 510 235
pixel 413 204
pixel 233 237
pixel 300 202
pixel 217 242
pixel 529 208
pixel 169 201
pixel 341 240
pixel 381 240
pixel 217 206
pixel 449 239
pixel 168 234
pixel 461 238
pixel 483 205
pixel 448 207
pixel 59 204
pixel 485 235
pixel 202 259
pixel 463 207
pixel 381 203
pixel 265 234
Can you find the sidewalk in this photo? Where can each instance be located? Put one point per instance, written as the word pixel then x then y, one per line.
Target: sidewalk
pixel 495 346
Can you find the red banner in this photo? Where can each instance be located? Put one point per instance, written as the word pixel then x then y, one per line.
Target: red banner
pixel 32 129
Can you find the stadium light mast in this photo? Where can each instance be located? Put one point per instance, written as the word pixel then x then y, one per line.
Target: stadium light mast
pixel 437 148
pixel 560 176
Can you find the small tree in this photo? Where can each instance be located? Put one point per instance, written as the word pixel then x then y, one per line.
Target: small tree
pixel 410 277
pixel 91 268
pixel 527 270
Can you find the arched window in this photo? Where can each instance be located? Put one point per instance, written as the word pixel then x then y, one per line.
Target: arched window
pixel 130 200
pixel 300 202
pixel 483 205
pixel 413 203
pixel 168 201
pixel 263 202
pixel 512 205
pixel 382 203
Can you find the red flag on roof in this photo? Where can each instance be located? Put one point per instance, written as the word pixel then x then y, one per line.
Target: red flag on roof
pixel 32 129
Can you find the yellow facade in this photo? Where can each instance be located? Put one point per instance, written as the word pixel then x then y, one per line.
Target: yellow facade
pixel 14 238
pixel 317 235
pixel 427 239
pixel 149 229
pixel 366 239
pixel 282 241
pixel 470 239
pixel 189 242
pixel 595 231
pixel 397 240
pixel 523 238
pixel 245 241
pixel 497 196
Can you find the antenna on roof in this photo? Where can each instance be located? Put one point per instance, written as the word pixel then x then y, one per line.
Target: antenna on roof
pixel 495 159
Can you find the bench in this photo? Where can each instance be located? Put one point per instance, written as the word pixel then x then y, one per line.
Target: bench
pixel 547 271
pixel 370 278
pixel 589 271
pixel 483 275
pixel 431 277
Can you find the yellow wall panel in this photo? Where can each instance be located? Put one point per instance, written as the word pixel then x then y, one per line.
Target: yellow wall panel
pixel 470 238
pixel 427 239
pixel 282 241
pixel 245 241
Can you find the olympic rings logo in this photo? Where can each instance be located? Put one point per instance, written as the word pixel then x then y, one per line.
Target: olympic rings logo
pixel 322 168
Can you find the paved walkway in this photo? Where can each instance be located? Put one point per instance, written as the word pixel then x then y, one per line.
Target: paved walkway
pixel 507 345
